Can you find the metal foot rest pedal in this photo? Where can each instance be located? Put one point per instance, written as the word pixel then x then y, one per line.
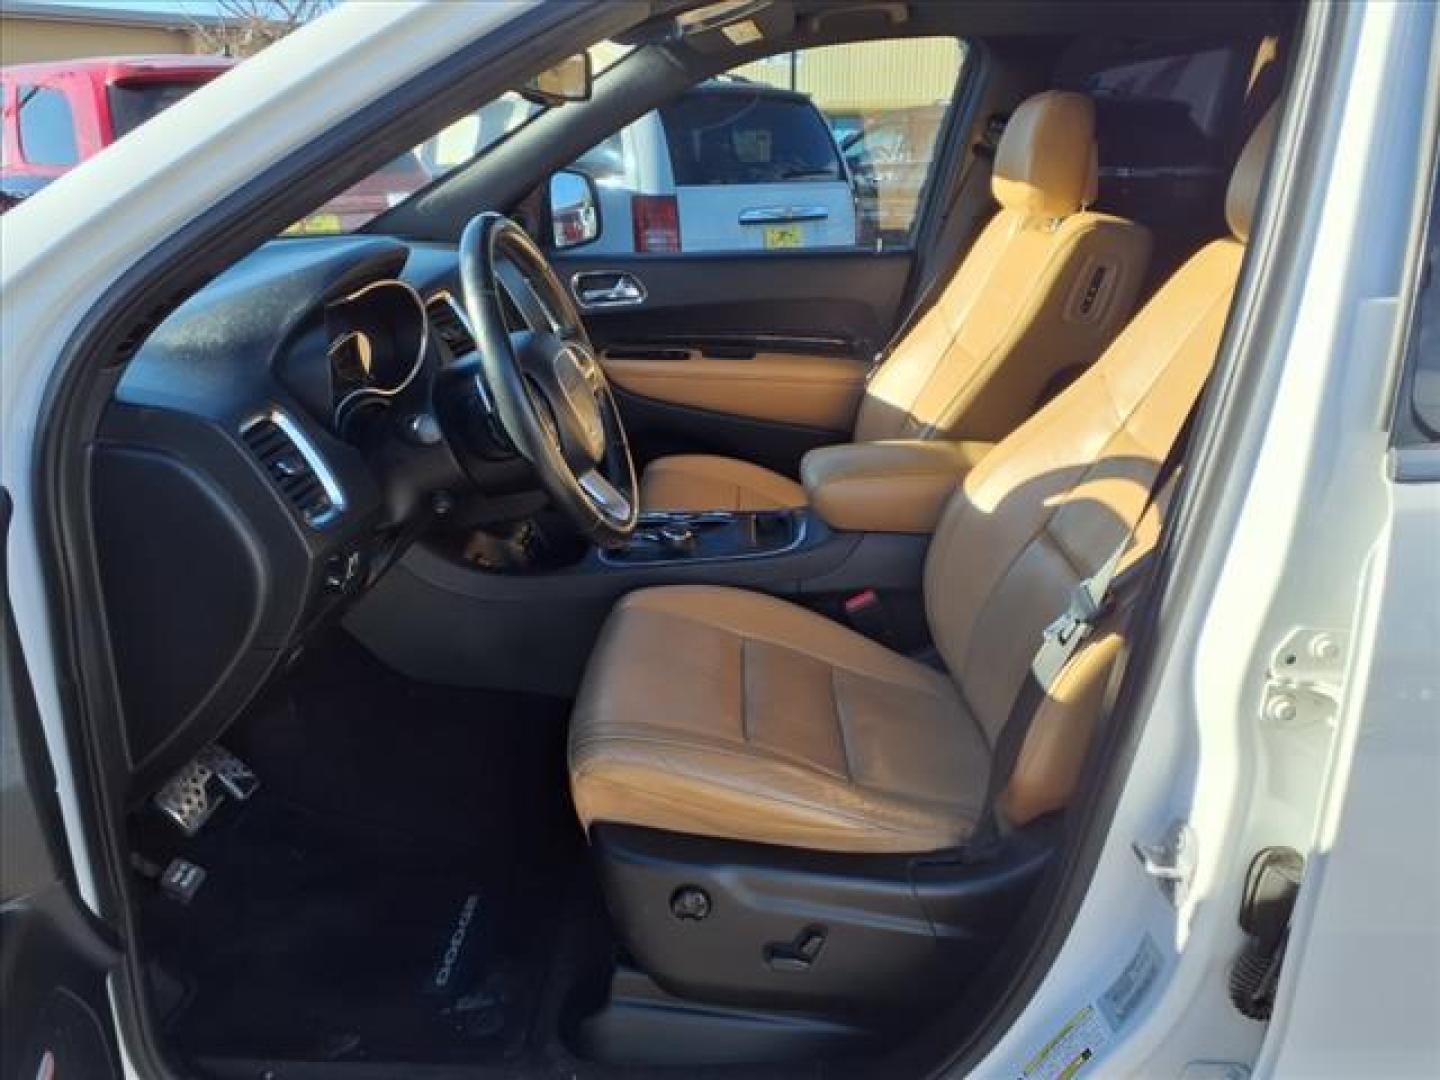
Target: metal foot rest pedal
pixel 194 793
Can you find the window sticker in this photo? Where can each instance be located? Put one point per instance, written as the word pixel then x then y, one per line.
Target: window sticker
pixel 742 33
pixel 1082 1037
pixel 1119 1002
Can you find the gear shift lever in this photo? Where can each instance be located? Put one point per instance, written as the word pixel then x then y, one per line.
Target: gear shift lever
pixel 678 537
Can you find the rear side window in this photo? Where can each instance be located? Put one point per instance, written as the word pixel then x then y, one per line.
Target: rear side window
pixel 739 136
pixel 1168 122
pixel 1166 111
pixel 131 104
pixel 1418 416
pixel 47 127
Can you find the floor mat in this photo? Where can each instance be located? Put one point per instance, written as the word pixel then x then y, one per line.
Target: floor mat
pixel 392 892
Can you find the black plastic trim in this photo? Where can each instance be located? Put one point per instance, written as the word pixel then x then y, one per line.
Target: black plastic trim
pixel 873 940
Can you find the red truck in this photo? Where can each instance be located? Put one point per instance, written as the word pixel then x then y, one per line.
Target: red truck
pixel 55 115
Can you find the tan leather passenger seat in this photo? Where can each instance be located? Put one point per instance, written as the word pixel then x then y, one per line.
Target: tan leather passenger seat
pixel 1044 288
pixel 727 713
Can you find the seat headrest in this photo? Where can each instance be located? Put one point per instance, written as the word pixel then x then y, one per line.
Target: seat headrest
pixel 1046 164
pixel 1244 189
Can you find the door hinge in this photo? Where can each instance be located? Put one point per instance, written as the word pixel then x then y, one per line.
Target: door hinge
pixel 1171 861
pixel 1305 677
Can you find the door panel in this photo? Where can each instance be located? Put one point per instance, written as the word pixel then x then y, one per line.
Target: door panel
pixel 744 298
pixel 810 321
pixel 845 298
pixel 53 957
pixel 788 388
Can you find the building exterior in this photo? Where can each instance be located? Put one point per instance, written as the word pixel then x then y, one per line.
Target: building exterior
pixel 37 30
pixel 898 74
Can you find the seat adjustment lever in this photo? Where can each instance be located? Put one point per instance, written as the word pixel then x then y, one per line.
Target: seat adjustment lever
pixel 798 954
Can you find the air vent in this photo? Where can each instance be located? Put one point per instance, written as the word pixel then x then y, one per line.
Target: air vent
pixel 277 445
pixel 448 324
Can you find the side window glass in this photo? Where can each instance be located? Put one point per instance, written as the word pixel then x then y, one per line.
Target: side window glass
pixel 830 147
pixel 1417 419
pixel 1165 120
pixel 47 127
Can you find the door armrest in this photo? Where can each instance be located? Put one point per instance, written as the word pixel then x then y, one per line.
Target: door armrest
pixel 897 486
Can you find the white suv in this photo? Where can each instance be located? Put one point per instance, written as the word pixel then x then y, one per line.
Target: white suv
pixel 729 165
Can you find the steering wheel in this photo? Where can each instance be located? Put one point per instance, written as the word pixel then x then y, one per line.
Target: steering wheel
pixel 544 383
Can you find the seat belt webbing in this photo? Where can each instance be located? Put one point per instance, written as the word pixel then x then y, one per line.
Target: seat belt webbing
pixel 1090 601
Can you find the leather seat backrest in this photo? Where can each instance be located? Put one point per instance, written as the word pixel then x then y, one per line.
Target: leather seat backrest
pixel 1045 286
pixel 1049 504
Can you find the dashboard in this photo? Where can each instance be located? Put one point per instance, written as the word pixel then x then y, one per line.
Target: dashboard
pixel 376 340
pixel 268 453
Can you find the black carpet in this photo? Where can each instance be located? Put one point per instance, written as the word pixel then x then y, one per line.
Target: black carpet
pixel 396 889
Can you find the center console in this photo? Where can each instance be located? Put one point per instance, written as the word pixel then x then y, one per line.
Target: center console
pixel 872 509
pixel 710 535
pixel 438 620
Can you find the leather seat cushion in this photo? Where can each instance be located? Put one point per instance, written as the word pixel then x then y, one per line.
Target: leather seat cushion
pixel 722 712
pixel 711 482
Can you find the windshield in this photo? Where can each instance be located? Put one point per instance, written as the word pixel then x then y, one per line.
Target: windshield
pixel 451 148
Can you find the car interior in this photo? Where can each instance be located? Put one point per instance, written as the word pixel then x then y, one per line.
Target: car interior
pixel 559 664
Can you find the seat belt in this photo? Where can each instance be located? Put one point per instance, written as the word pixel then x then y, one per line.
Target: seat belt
pixel 1090 601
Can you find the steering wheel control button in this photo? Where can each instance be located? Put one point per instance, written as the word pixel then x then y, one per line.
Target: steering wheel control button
pixel 690 903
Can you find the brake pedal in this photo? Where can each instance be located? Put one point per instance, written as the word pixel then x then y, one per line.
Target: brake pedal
pixel 237 778
pixel 192 795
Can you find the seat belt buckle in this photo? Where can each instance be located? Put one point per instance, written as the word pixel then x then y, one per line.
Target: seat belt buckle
pixel 1078 618
pixel 865 612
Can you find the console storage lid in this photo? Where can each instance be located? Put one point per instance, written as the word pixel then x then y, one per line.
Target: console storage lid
pixel 898 485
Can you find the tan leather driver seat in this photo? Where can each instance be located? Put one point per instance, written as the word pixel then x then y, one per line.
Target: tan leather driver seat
pixel 1045 286
pixel 732 714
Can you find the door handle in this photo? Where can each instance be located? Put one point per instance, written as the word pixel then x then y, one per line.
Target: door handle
pixel 782 215
pixel 607 288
